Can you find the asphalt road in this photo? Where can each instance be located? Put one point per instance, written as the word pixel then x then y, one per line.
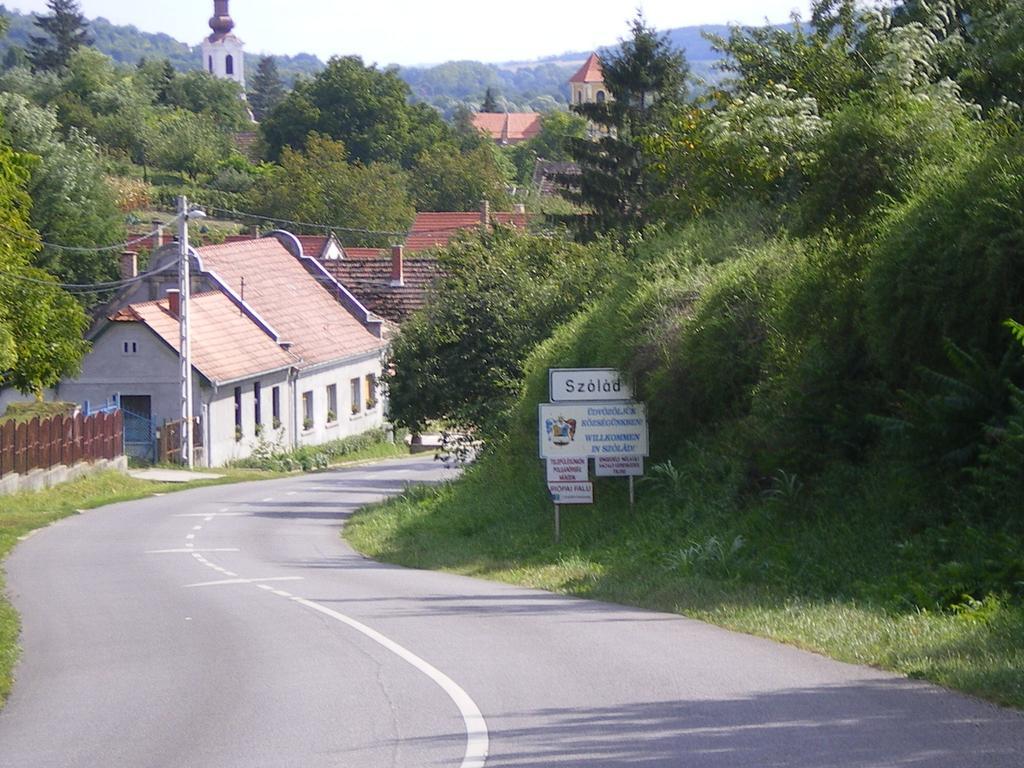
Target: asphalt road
pixel 231 627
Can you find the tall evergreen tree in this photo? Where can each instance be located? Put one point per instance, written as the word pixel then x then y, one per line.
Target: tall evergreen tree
pixel 490 102
pixel 267 89
pixel 647 79
pixel 65 31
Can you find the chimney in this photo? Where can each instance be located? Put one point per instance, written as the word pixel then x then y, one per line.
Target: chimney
pixel 485 215
pixel 255 230
pixel 158 234
pixel 520 209
pixel 129 265
pixel 174 302
pixel 397 265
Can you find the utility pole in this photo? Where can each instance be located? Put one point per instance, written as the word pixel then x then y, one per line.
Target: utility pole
pixel 184 333
pixel 185 329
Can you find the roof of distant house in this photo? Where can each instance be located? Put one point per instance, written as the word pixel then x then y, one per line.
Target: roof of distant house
pixel 546 175
pixel 590 72
pixel 367 272
pixel 227 344
pixel 302 306
pixel 435 229
pixel 508 127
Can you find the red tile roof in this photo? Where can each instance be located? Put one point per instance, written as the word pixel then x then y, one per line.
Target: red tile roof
pixel 508 127
pixel 590 72
pixel 303 309
pixel 368 276
pixel 436 229
pixel 227 345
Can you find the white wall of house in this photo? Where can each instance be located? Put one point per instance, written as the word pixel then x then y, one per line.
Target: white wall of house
pixel 348 419
pixel 231 439
pixel 130 360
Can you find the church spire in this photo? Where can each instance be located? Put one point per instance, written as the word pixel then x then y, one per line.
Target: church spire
pixel 221 23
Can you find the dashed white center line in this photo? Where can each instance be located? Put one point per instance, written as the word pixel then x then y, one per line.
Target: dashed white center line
pixel 269 498
pixel 190 537
pixel 197 527
pixel 189 550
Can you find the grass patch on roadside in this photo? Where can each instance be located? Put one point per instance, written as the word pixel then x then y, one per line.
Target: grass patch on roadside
pixel 778 566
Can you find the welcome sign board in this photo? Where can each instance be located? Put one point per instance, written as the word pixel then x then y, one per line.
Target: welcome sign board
pixel 592 429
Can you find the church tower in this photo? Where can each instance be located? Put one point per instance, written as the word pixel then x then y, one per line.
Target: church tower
pixel 223 52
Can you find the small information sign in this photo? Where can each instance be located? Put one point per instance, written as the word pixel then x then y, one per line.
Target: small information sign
pixel 567 469
pixel 618 466
pixel 574 385
pixel 572 493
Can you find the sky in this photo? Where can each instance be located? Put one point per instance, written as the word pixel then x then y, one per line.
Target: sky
pixel 415 32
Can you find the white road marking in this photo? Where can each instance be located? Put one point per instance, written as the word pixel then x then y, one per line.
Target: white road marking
pixel 208 518
pixel 282 593
pixel 230 573
pixel 190 536
pixel 197 527
pixel 210 515
pixel 293 493
pixel 477 738
pixel 225 582
pixel 189 550
pixel 266 587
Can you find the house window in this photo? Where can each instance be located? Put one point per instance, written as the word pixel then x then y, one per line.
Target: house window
pixel 130 348
pixel 307 409
pixel 579 97
pixel 371 391
pixel 356 393
pixel 275 406
pixel 229 65
pixel 238 413
pixel 600 97
pixel 257 406
pixel 332 403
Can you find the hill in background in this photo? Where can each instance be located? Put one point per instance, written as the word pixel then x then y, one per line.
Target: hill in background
pixel 536 85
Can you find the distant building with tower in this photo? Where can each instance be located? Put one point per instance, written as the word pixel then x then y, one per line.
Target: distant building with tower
pixel 224 52
pixel 587 85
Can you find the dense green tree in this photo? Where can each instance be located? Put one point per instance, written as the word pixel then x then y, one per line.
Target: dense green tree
pixel 186 142
pixel 443 180
pixel 64 31
pixel 461 358
pixel 320 185
pixel 266 89
pixel 72 205
pixel 647 79
pixel 212 97
pixel 40 325
pixel 365 108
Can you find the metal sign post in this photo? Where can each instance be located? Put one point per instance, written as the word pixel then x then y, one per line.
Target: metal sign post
pixel 558 532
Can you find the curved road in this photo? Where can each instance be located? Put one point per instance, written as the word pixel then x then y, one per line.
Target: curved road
pixel 231 627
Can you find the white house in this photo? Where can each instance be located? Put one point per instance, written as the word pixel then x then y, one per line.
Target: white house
pixel 280 350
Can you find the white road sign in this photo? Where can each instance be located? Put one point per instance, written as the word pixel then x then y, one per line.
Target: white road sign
pixel 568 385
pixel 618 466
pixel 568 469
pixel 595 429
pixel 571 493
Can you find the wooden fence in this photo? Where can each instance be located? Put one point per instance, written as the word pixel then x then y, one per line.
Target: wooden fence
pixel 169 442
pixel 67 440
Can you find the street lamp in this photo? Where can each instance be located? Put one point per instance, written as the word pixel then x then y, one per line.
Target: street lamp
pixel 184 329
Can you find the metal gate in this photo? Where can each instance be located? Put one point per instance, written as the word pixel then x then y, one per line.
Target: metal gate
pixel 139 436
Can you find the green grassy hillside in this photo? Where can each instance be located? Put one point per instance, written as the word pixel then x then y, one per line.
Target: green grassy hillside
pixel 837 433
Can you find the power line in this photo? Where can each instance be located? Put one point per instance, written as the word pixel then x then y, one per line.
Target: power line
pixel 81 249
pixel 328 227
pixel 112 285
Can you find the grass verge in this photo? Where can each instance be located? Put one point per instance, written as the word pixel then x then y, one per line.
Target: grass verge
pixel 765 568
